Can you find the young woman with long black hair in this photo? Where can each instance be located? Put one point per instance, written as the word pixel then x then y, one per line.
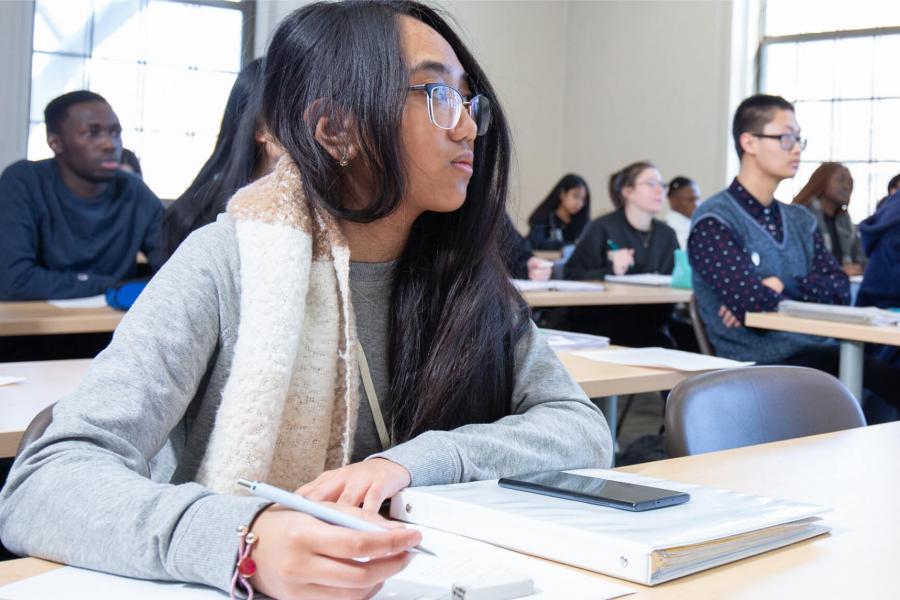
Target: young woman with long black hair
pixel 373 248
pixel 561 217
pixel 244 152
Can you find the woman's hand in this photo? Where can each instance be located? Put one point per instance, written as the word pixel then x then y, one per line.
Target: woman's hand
pixel 774 284
pixel 728 318
pixel 539 269
pixel 622 260
pixel 298 556
pixel 367 483
pixel 852 269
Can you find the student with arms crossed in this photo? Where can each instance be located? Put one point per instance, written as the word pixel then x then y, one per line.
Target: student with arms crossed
pixel 628 240
pixel 749 252
pixel 382 226
pixel 73 224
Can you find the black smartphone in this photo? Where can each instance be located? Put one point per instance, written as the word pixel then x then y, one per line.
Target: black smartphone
pixel 593 490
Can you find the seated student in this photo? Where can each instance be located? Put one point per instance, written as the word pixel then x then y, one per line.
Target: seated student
pixel 561 217
pixel 627 240
pixel 240 358
pixel 893 187
pixel 826 195
pixel 73 224
pixel 520 258
pixel 749 252
pixel 881 282
pixel 683 197
pixel 244 152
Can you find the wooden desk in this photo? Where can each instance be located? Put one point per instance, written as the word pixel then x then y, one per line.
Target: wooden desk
pixel 845 470
pixel 45 383
pixel 42 318
pixel 613 294
pixel 852 338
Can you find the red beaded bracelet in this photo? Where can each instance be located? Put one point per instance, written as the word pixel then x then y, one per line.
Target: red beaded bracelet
pixel 245 567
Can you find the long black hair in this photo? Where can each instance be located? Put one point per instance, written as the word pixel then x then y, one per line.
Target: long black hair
pixel 229 168
pixel 541 214
pixel 455 317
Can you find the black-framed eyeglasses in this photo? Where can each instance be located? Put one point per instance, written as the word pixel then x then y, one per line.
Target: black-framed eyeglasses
pixel 446 103
pixel 787 140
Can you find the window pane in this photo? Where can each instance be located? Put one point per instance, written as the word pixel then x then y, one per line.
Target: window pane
pixel 852 130
pixel 853 67
pixel 171 161
pixel 887 51
pixel 62 26
pixel 202 37
pixel 164 99
pixel 780 74
pixel 53 75
pixel 815 70
pixel 786 17
pixel 120 83
pixel 816 126
pixel 882 174
pixel 37 142
pixel 886 130
pixel 861 204
pixel 119 30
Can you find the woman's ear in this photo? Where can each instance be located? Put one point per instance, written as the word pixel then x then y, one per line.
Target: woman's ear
pixel 334 133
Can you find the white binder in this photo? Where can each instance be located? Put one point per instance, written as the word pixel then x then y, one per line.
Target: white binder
pixel 715 527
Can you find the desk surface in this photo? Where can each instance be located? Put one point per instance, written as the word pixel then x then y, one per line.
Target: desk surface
pixel 548 254
pixel 42 318
pixel 841 331
pixel 45 383
pixel 48 381
pixel 613 294
pixel 845 470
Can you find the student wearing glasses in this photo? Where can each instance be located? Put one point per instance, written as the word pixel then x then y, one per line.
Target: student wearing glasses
pixel 626 241
pixel 372 253
pixel 749 252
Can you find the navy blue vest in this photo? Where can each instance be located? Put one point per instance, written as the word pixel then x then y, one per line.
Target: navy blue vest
pixel 793 257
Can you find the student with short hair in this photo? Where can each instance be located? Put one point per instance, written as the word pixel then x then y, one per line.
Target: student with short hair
pixel 560 218
pixel 683 195
pixel 377 236
pixel 827 195
pixel 73 224
pixel 749 252
pixel 628 240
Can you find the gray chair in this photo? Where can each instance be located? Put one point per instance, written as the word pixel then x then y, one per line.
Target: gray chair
pixel 699 328
pixel 36 428
pixel 754 405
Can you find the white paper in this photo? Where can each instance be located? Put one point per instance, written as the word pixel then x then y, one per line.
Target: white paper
pixel 661 358
pixel 9 379
pixel 654 279
pixel 569 340
pixel 862 315
pixel 856 279
pixel 457 559
pixel 557 285
pixel 89 302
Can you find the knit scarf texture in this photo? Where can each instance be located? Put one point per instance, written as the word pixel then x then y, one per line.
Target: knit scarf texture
pixel 289 407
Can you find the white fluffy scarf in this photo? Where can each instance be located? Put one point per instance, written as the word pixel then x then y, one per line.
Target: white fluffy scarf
pixel 289 406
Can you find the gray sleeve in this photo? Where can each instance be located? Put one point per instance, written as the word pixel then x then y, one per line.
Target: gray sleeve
pixel 82 494
pixel 554 426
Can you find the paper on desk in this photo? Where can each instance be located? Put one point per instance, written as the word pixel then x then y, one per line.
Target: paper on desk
pixel 557 285
pixel 654 279
pixel 426 577
pixel 662 358
pixel 89 302
pixel 9 379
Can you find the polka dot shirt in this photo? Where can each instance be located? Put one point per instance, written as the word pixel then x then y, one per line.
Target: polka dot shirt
pixel 718 256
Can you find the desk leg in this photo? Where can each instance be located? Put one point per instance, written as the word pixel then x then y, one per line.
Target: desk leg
pixel 609 407
pixel 851 367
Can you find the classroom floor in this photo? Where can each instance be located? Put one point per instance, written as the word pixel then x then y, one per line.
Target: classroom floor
pixel 639 439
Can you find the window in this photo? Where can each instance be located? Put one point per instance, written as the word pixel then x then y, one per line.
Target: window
pixel 837 61
pixel 165 66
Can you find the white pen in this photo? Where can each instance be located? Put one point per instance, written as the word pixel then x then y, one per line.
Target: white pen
pixel 319 511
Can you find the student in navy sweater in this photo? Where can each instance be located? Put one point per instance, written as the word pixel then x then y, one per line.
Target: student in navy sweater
pixel 73 224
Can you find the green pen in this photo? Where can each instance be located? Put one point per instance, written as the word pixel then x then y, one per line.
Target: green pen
pixel 612 245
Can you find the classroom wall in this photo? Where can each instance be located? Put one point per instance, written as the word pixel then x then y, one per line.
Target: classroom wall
pixel 647 80
pixel 15 73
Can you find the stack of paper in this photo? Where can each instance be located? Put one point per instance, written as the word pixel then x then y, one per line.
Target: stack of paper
pixel 654 279
pixel 662 358
pixel 557 285
pixel 859 315
pixel 89 302
pixel 569 340
pixel 715 527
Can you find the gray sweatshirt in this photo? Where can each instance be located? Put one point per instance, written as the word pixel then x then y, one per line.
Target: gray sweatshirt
pixel 110 487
